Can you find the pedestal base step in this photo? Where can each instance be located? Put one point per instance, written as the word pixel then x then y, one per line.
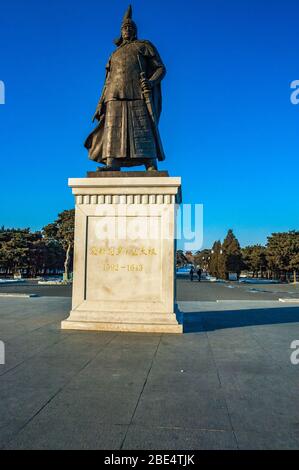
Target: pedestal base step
pixel 124 327
pixel 137 322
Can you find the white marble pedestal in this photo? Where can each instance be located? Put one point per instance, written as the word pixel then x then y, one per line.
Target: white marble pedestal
pixel 124 255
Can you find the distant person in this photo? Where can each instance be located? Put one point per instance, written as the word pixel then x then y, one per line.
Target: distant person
pixel 192 274
pixel 199 271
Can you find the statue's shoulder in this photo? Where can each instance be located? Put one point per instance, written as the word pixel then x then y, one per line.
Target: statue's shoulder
pixel 145 42
pixel 146 47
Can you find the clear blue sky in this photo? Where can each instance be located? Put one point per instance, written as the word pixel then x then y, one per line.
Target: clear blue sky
pixel 228 126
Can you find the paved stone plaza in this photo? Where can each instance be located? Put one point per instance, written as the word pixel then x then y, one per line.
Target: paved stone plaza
pixel 227 383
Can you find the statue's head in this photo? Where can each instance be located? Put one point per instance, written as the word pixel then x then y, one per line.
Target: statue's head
pixel 129 31
pixel 128 28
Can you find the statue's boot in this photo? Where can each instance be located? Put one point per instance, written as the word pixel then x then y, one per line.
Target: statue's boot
pixel 111 166
pixel 151 165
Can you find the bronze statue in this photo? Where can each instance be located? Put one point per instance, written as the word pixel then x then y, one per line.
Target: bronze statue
pixel 130 106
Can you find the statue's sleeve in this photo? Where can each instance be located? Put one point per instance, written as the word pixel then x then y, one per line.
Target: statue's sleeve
pixel 102 99
pixel 157 70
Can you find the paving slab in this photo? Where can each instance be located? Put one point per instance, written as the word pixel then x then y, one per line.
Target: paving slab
pixel 68 433
pixel 269 439
pixel 199 408
pixel 161 438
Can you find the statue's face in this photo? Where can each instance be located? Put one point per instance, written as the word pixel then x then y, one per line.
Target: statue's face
pixel 128 32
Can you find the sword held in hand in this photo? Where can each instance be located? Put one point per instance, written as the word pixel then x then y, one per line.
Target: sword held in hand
pixel 148 98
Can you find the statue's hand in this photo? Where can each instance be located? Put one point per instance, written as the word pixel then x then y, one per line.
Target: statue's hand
pixel 145 85
pixel 97 114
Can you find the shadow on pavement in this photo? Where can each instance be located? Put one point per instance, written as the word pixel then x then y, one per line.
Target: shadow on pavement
pixel 219 320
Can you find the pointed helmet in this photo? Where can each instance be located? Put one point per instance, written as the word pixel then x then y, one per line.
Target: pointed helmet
pixel 127 19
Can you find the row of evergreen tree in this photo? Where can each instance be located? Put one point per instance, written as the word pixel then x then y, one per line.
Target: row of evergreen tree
pixel 279 259
pixel 48 251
